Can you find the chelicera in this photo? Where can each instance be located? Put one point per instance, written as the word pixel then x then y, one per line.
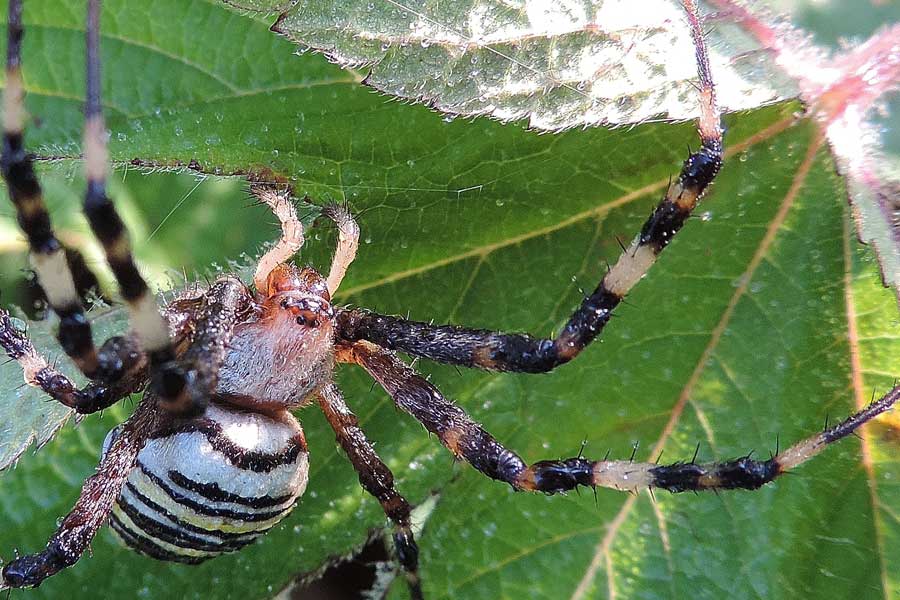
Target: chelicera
pixel 212 456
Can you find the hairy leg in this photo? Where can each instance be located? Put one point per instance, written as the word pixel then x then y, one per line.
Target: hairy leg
pixel 205 317
pixel 521 352
pixel 74 534
pixel 291 232
pixel 226 303
pixel 376 478
pixel 47 255
pixel 348 243
pixel 92 397
pixel 468 441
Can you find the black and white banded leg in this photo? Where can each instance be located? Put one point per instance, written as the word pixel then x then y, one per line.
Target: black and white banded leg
pixel 376 478
pixel 205 321
pixel 47 255
pixel 74 534
pixel 171 380
pixel 468 441
pixel 92 397
pixel 521 352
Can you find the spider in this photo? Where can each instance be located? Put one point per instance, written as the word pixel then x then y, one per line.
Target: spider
pixel 212 456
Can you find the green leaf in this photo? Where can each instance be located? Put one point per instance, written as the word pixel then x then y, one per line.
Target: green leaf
pixel 761 319
pixel 36 421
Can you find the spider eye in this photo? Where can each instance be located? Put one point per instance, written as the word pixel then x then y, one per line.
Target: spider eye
pixel 307 310
pixel 308 319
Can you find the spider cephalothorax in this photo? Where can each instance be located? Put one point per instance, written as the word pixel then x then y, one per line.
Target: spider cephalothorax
pixel 285 352
pixel 211 457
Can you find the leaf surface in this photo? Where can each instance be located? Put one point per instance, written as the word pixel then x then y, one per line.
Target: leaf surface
pixel 556 64
pixel 762 318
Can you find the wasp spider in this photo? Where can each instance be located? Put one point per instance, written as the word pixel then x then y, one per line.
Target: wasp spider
pixel 212 456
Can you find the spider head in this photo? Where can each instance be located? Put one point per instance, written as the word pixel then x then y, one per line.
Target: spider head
pixel 278 358
pixel 302 293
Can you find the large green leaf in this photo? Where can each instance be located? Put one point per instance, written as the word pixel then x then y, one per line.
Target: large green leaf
pixel 761 319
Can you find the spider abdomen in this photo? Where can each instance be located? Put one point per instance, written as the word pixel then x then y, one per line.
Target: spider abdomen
pixel 211 485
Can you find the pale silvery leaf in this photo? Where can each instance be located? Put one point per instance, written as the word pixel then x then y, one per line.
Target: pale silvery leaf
pixel 557 64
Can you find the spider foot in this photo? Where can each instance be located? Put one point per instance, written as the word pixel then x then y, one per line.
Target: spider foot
pixel 31 570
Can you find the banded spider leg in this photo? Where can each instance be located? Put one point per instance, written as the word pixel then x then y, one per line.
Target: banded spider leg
pixel 519 352
pixel 368 339
pixel 469 441
pixel 122 364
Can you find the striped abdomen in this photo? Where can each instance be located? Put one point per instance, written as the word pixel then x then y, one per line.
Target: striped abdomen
pixel 211 485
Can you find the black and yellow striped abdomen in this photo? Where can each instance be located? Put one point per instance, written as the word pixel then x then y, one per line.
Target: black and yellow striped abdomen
pixel 211 485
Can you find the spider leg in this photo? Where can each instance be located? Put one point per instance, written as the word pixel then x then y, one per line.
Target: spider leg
pixel 61 272
pixel 291 232
pixel 376 478
pixel 169 379
pixel 228 302
pixel 100 491
pixel 348 243
pixel 92 397
pixel 48 257
pixel 176 385
pixel 468 441
pixel 224 304
pixel 187 316
pixel 521 352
